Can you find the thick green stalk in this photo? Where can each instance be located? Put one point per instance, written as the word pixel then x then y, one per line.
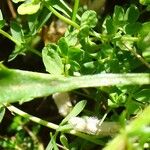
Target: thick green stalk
pixel 9 37
pixel 75 10
pixel 61 17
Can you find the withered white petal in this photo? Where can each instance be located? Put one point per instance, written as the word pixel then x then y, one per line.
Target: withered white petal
pixel 91 125
pixel 63 103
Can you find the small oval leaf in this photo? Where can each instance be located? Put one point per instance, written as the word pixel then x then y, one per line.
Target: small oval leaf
pixel 52 60
pixel 28 8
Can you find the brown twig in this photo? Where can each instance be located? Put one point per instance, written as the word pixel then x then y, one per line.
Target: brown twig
pixel 12 9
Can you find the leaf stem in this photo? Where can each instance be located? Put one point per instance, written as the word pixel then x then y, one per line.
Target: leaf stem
pixel 139 57
pixel 132 39
pixel 36 52
pixel 17 43
pixel 17 111
pixel 61 17
pixel 75 10
pixel 32 118
pixel 9 37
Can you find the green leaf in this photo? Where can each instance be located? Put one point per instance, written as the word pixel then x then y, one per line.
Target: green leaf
pixel 132 107
pixel 2 112
pixel 19 50
pixel 33 20
pixel 84 32
pixel 141 121
pixel 144 40
pixel 64 141
pixel 144 2
pixel 1 15
pixel 89 67
pixel 118 98
pixel 52 144
pixel 71 38
pixel 75 66
pixel 64 128
pixel 137 125
pixel 63 45
pixel 146 54
pixel 145 28
pixel 43 16
pixel 61 6
pixel 118 14
pixel 17 1
pixel 107 51
pixel 29 8
pixel 148 8
pixel 52 60
pixel 2 22
pixel 75 111
pixel 132 14
pixel 75 53
pixel 89 18
pixel 16 31
pixel 108 25
pixel 19 86
pixel 143 95
pixel 143 43
pixel 133 28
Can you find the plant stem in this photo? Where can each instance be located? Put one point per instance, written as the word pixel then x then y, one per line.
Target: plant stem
pixel 143 119
pixel 139 57
pixel 132 39
pixel 61 17
pixel 87 137
pixel 36 52
pixel 17 43
pixel 32 118
pixel 17 111
pixel 75 10
pixel 74 13
pixel 9 37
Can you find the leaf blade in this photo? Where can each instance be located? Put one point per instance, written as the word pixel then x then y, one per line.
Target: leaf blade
pixel 17 85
